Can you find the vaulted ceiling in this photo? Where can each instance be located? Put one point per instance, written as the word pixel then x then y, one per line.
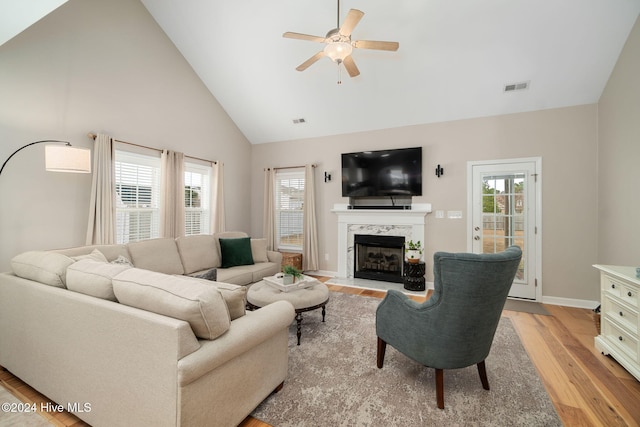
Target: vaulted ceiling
pixel 454 60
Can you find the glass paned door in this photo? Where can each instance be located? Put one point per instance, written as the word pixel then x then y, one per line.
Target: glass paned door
pixel 504 214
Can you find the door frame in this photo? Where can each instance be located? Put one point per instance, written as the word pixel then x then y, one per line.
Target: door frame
pixel 537 161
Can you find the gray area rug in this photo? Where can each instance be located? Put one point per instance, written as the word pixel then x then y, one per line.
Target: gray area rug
pixel 333 380
pixel 13 412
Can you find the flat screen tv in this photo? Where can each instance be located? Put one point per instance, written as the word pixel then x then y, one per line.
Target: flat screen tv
pixel 396 172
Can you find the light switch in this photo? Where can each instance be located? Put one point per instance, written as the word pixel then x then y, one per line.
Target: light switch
pixel 439 214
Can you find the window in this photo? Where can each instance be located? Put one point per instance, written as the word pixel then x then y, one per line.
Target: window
pixel 137 179
pixel 289 194
pixel 197 190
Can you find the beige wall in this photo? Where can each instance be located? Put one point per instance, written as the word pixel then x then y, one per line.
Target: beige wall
pixel 101 66
pixel 564 138
pixel 619 159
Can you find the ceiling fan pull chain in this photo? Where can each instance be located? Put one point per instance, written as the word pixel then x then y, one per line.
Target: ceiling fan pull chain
pixel 339 74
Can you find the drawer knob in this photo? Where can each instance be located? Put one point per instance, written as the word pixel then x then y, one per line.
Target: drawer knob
pixel 620 338
pixel 613 286
pixel 621 314
pixel 629 294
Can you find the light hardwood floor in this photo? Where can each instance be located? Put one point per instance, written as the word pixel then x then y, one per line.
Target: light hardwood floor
pixel 587 388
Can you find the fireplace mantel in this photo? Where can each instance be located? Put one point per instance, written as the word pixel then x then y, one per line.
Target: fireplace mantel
pixel 390 222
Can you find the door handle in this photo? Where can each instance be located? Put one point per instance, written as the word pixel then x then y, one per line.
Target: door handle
pixel 477 228
pixel 476 238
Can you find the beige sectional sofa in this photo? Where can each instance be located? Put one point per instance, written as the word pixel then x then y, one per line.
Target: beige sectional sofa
pixel 123 345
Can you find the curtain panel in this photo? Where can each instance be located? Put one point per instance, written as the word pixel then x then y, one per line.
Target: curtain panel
pixel 102 212
pixel 309 223
pixel 172 216
pixel 268 221
pixel 218 220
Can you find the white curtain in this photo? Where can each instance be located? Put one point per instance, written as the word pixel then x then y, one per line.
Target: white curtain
pixel 268 222
pixel 217 198
pixel 101 225
pixel 309 224
pixel 172 215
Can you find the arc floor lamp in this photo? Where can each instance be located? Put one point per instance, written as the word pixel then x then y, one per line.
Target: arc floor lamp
pixel 61 158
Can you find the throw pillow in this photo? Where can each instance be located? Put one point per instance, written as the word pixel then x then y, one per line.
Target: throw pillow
pixel 211 274
pixel 122 260
pixel 236 252
pixel 191 300
pixel 259 250
pixel 95 255
pixel 234 295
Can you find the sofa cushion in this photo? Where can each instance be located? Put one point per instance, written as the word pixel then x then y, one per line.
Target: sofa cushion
pixel 236 275
pixel 259 250
pixel 49 268
pixel 184 298
pixel 160 255
pixel 234 295
pixel 91 277
pixel 198 252
pixel 122 260
pixel 236 252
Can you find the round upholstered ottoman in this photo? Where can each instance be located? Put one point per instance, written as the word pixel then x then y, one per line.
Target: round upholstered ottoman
pixel 306 299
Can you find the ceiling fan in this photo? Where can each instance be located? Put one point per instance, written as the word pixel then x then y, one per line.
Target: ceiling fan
pixel 338 43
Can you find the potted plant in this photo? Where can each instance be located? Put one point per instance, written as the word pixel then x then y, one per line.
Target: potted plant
pixel 290 274
pixel 413 251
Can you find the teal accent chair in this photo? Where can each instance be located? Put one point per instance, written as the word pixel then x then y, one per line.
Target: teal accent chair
pixel 455 327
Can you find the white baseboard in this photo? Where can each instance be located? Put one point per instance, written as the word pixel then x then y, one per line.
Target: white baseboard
pixel 567 302
pixel 570 302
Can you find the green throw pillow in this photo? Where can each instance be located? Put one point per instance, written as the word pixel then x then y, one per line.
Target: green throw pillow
pixel 236 252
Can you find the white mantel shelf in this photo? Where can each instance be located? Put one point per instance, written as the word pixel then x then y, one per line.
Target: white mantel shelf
pixel 409 223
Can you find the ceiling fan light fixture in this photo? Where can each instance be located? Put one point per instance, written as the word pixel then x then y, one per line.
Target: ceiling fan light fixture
pixel 337 51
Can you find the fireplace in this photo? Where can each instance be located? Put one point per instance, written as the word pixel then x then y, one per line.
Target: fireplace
pixel 378 257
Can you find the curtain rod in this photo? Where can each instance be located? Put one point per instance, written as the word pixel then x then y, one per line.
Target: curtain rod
pixel 313 165
pixel 93 136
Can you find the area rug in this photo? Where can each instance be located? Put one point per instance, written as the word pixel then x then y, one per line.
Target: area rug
pixel 333 380
pixel 16 413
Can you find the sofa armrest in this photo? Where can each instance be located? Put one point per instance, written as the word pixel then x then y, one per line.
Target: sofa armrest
pixel 245 333
pixel 274 256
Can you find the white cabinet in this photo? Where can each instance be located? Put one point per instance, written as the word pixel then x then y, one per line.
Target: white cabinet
pixel 619 320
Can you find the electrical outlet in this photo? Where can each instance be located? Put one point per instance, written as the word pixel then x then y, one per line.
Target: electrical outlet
pixel 326 257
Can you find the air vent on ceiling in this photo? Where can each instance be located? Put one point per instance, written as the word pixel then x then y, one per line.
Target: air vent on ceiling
pixel 516 86
pixel 298 121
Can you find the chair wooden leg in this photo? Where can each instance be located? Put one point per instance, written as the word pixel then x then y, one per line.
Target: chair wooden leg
pixel 482 370
pixel 440 388
pixel 382 347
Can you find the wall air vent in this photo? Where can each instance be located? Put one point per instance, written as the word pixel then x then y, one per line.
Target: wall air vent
pixel 298 121
pixel 516 86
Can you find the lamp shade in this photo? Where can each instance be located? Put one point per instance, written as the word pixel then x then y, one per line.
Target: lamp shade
pixel 65 158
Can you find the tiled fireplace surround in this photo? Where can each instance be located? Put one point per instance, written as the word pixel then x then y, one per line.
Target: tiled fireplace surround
pixel 387 222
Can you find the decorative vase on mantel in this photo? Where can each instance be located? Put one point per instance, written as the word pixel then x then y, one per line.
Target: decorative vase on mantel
pixel 413 252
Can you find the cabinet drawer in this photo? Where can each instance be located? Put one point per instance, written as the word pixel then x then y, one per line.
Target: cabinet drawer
pixel 625 291
pixel 621 314
pixel 620 339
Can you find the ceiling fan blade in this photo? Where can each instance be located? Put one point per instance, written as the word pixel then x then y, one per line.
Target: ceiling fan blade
pixel 306 64
pixel 377 45
pixel 307 37
pixel 353 17
pixel 350 65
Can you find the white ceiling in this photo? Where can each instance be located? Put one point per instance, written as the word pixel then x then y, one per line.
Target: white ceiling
pixel 454 59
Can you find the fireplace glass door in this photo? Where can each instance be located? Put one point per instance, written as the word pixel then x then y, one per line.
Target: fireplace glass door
pixel 378 257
